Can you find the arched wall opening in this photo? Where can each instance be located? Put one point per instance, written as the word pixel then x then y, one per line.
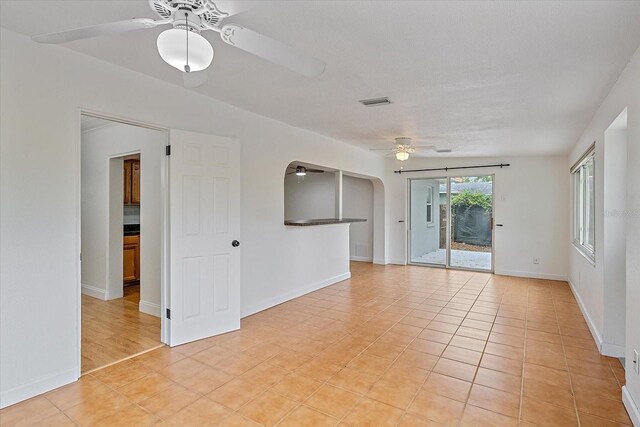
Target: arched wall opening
pixel 313 192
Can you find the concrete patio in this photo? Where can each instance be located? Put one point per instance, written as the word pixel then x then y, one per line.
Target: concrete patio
pixel 465 259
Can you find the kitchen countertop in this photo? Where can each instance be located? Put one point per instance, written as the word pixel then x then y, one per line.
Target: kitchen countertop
pixel 323 221
pixel 131 229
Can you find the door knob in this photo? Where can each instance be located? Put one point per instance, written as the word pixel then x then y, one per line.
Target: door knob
pixel 235 243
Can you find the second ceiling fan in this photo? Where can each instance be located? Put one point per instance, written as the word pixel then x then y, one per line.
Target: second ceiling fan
pixel 404 148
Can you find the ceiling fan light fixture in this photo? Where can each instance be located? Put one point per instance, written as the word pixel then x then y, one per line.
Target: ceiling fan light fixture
pixel 402 155
pixel 301 171
pixel 194 55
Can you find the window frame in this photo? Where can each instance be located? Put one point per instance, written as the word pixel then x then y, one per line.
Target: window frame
pixel 583 212
pixel 429 207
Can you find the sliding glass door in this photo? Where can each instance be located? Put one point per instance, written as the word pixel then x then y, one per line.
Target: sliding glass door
pixel 428 221
pixel 451 222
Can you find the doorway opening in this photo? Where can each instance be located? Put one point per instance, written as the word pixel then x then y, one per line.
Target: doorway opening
pixel 122 167
pixel 451 222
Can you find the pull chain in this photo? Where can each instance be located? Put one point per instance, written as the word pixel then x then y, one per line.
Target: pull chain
pixel 186 27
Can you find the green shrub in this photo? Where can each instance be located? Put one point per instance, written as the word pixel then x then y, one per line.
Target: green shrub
pixel 469 198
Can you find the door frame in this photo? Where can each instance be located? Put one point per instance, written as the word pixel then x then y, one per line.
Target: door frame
pixel 164 224
pixel 448 231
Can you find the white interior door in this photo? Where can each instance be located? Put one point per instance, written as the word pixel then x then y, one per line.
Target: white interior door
pixel 204 211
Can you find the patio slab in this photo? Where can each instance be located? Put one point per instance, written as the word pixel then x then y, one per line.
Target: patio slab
pixel 465 259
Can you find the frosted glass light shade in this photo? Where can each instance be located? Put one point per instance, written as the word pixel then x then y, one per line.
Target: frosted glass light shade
pixel 172 46
pixel 402 155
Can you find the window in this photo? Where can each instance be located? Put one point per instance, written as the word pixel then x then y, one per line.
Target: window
pixel 584 207
pixel 429 206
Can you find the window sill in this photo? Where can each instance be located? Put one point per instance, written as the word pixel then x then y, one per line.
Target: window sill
pixel 587 255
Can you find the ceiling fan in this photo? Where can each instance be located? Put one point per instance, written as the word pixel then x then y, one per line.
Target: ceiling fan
pixel 302 170
pixel 404 147
pixel 183 47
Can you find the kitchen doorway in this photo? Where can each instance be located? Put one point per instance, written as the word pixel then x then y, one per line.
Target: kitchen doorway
pixel 451 222
pixel 122 215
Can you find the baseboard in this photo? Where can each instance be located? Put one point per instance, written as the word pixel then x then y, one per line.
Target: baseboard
pixel 592 327
pixel 532 275
pixel 612 350
pixel 379 261
pixel 271 302
pixel 34 388
pixel 398 261
pixel 149 308
pixel 94 292
pixel 361 259
pixel 631 406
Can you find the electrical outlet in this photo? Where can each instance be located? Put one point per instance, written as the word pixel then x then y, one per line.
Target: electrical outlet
pixel 636 362
pixel 536 260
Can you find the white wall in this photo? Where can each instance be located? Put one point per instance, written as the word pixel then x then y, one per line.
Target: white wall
pixel 530 201
pixel 313 197
pixel 357 202
pixel 588 280
pixel 615 239
pixel 106 241
pixel 99 232
pixel 43 90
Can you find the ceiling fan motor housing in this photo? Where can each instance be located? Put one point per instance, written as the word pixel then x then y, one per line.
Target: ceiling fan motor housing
pixel 186 19
pixel 203 13
pixel 403 141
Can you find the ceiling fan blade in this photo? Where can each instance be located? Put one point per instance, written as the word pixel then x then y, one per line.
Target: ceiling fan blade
pixel 315 170
pixel 423 147
pixel 443 150
pixel 234 7
pixel 381 149
pixel 98 30
pixel 194 79
pixel 271 50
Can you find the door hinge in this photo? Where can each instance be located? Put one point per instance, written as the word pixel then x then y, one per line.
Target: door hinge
pixel 169 313
pixel 80 256
pixel 167 150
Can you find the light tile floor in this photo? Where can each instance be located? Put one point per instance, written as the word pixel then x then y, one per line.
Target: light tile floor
pixel 393 346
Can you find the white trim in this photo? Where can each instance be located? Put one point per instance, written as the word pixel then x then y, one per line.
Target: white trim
pixel 271 302
pixel 631 406
pixel 37 387
pixel 397 262
pixel 379 261
pixel 94 292
pixel 590 257
pixel 149 308
pixel 592 327
pixel 612 350
pixel 361 258
pixel 532 275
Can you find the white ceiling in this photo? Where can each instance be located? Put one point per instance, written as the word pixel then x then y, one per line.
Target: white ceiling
pixel 482 78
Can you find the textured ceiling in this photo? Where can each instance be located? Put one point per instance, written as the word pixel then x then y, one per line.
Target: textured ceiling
pixel 482 78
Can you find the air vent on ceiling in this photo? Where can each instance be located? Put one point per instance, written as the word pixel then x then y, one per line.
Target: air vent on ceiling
pixel 375 102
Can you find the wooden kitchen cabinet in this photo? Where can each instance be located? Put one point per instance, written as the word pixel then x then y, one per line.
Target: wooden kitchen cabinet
pixel 132 182
pixel 131 259
pixel 135 182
